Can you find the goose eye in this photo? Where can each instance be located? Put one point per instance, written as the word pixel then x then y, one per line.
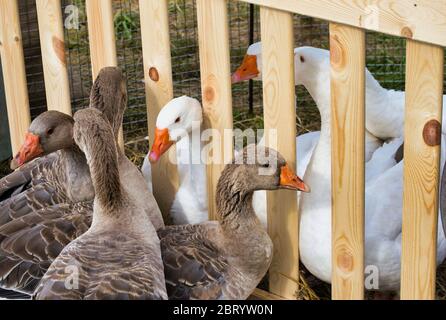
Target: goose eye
pixel 302 59
pixel 265 165
pixel 177 120
pixel 50 131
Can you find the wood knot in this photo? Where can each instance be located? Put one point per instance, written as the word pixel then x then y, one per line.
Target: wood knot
pixel 407 32
pixel 209 93
pixel 345 261
pixel 153 74
pixel 432 133
pixel 335 51
pixel 16 38
pixel 59 49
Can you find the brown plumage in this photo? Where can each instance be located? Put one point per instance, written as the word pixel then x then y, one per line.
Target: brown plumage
pixel 48 202
pixel 223 259
pixel 119 256
pixel 35 201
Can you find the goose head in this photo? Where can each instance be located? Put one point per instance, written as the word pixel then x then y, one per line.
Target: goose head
pixel 49 132
pixel 175 121
pixel 259 168
pixel 307 61
pixel 310 63
pixel 251 67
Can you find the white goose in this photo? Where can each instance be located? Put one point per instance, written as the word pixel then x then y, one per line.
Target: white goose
pixel 251 68
pixel 383 210
pixel 176 123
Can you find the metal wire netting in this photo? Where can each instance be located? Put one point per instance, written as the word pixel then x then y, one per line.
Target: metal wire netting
pixel 385 59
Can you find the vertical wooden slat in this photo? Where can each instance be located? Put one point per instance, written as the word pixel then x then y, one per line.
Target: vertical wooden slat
pixel 101 34
pixel 280 116
pixel 424 94
pixel 159 90
pixel 14 75
pixel 347 61
pixel 49 14
pixel 213 36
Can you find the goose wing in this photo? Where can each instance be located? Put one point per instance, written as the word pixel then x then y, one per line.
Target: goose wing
pixel 26 176
pixel 29 243
pixel 194 267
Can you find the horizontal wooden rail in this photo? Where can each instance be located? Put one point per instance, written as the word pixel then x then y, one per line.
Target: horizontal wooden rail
pixel 14 74
pixel 347 60
pixel 280 116
pixel 159 91
pixel 213 38
pixel 49 14
pixel 424 95
pixel 423 20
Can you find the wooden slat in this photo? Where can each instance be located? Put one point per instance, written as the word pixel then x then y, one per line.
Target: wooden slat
pixel 14 75
pixel 423 20
pixel 49 14
pixel 213 36
pixel 101 34
pixel 280 116
pixel 347 63
pixel 424 94
pixel 159 91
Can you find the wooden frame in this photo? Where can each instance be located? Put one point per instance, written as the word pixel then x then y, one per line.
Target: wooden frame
pixel 423 22
pixel 159 90
pixel 213 38
pixel 280 121
pixel 424 97
pixel 347 60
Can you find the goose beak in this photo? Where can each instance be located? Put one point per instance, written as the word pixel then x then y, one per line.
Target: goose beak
pixel 247 70
pixel 289 180
pixel 161 144
pixel 30 149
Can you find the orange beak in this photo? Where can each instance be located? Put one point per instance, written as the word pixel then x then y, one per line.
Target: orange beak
pixel 161 144
pixel 30 149
pixel 289 180
pixel 247 70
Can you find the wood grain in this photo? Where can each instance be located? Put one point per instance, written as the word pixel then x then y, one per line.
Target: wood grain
pixel 49 14
pixel 347 64
pixel 213 38
pixel 280 119
pixel 159 91
pixel 14 75
pixel 423 20
pixel 424 94
pixel 101 35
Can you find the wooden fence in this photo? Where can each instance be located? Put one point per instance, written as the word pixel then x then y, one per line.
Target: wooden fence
pixel 422 22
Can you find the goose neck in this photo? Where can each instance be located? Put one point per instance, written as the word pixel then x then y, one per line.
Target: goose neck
pixel 102 157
